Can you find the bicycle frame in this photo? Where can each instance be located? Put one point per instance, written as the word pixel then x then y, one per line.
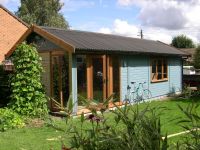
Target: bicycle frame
pixel 138 94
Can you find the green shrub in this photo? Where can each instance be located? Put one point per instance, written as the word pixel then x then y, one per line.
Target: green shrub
pixel 27 97
pixel 192 139
pixel 9 119
pixel 132 128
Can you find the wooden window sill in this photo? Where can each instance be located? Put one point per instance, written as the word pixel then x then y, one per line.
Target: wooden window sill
pixel 157 81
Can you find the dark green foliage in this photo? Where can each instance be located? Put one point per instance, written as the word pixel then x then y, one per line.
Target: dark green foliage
pixel 4 87
pixel 28 97
pixel 133 129
pixel 191 142
pixel 197 58
pixel 42 13
pixel 182 41
pixel 10 119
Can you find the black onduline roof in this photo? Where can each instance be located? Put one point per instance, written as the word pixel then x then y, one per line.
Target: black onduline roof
pixel 90 41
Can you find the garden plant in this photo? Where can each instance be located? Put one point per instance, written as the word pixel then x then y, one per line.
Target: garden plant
pixel 27 93
pixel 27 97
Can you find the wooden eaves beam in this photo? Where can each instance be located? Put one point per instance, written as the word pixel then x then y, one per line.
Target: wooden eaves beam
pixel 54 39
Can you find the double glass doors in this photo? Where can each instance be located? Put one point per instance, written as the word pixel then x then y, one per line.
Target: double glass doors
pixel 98 76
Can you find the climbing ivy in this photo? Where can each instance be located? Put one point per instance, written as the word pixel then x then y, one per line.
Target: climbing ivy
pixel 27 97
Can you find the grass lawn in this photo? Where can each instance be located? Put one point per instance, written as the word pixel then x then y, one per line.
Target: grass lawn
pixel 32 138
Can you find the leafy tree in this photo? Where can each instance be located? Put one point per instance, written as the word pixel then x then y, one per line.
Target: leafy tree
pixel 197 58
pixel 182 41
pixel 27 94
pixel 42 13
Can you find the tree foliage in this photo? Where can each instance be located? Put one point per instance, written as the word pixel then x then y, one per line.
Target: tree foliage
pixel 42 13
pixel 27 97
pixel 197 58
pixel 182 41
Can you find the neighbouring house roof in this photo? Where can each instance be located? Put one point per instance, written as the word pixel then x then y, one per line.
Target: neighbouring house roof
pixel 77 41
pixel 14 16
pixel 11 30
pixel 190 52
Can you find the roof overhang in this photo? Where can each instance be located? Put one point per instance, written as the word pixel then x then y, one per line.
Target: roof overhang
pixel 54 39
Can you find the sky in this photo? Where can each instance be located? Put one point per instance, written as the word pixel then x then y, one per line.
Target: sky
pixel 159 19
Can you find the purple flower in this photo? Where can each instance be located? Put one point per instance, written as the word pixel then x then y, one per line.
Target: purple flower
pixel 90 117
pixel 93 118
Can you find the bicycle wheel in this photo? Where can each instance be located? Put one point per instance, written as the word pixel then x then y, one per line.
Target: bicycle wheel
pixel 146 94
pixel 135 98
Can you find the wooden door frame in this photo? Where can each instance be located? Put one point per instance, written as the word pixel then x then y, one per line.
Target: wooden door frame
pixel 89 58
pixel 111 80
pixel 107 75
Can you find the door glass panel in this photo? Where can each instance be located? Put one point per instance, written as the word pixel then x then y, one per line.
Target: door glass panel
pixel 97 79
pixel 116 79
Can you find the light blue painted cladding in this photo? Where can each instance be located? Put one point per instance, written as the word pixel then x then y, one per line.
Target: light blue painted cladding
pixel 175 73
pixel 139 71
pixel 124 79
pixel 159 88
pixel 134 69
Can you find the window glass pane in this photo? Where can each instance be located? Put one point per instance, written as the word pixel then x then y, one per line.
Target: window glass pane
pixel 165 68
pixel 159 69
pixel 55 65
pixel 153 72
pixel 65 78
pixel 60 82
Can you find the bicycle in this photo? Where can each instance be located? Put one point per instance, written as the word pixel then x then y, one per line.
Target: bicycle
pixel 139 94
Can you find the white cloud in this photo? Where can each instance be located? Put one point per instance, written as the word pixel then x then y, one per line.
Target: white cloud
pixel 122 27
pixel 169 17
pixel 168 14
pixel 158 35
pixel 147 2
pixel 3 2
pixel 105 30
